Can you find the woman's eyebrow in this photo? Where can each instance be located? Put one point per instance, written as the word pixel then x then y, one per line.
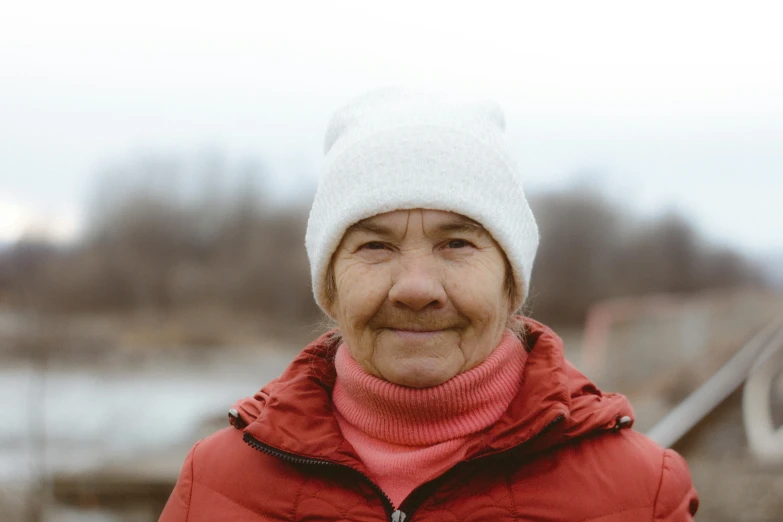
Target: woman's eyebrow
pixel 461 225
pixel 370 227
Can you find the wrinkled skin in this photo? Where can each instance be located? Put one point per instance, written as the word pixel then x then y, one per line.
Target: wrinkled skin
pixel 420 295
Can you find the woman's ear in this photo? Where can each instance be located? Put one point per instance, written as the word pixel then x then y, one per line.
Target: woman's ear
pixel 331 308
pixel 330 291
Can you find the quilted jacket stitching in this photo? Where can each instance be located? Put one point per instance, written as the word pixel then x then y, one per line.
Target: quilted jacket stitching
pixel 512 499
pixel 298 500
pixel 233 501
pixel 343 510
pixel 604 515
pixel 491 502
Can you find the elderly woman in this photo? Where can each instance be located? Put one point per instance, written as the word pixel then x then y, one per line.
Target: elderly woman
pixel 432 400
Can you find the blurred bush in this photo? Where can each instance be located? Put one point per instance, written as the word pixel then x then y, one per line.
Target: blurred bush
pixel 154 242
pixel 593 249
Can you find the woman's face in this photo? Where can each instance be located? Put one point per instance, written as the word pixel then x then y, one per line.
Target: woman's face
pixel 420 295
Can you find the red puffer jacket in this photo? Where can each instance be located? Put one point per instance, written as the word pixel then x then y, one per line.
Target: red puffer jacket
pixel 562 451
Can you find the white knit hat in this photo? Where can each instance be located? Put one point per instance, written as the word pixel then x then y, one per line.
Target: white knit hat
pixel 393 149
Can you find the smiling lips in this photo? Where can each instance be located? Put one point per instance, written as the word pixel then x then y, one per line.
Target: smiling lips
pixel 416 334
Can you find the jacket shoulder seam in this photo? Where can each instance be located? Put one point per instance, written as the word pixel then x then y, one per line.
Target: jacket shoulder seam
pixel 192 478
pixel 660 483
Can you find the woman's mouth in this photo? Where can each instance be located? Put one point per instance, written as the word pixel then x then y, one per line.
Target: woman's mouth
pixel 415 334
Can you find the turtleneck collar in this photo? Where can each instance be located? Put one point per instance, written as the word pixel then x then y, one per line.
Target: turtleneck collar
pixel 466 404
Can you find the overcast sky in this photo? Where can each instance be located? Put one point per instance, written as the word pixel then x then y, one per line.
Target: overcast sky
pixel 667 106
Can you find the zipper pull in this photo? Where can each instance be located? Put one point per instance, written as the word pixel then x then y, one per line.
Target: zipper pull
pixel 398 516
pixel 621 422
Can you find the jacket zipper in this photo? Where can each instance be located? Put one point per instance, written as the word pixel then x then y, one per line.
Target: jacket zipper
pixel 395 515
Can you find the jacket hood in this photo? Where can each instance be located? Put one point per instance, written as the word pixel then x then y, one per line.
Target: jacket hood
pixel 556 404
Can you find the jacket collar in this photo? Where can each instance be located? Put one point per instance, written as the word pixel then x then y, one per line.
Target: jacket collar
pixel 556 403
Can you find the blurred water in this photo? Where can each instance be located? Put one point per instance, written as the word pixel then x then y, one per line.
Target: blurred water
pixel 88 416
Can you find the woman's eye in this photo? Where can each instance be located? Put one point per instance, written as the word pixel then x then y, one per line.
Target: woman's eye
pixel 374 245
pixel 457 243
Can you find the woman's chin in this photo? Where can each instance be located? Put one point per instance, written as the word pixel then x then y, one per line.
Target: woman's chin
pixel 419 372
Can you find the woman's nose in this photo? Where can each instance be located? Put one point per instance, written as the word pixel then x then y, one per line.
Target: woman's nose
pixel 418 287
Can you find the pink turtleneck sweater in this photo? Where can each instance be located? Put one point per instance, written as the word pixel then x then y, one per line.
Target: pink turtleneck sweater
pixel 407 436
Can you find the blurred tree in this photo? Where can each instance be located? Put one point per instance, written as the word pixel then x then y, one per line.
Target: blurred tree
pixel 574 267
pixel 165 234
pixel 592 249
